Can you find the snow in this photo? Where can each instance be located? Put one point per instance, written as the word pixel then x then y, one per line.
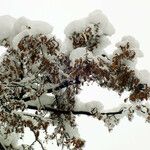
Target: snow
pixel 96 17
pixel 79 53
pixel 94 104
pixel 76 26
pixel 18 37
pixel 82 53
pixel 11 139
pixel 16 29
pixel 67 46
pixel 144 76
pixel 133 45
pixel 100 28
pixel 2 53
pixel 89 106
pixel 6 25
pixel 44 100
pixel 103 43
pixel 33 27
pixel 72 131
pixel 24 27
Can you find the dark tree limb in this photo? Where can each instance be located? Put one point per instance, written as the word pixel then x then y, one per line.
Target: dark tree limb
pixel 2 147
pixel 58 111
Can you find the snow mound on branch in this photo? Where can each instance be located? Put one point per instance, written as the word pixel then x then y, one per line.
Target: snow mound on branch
pixel 94 104
pixel 15 29
pixel 144 76
pixel 76 26
pixel 12 139
pixel 80 53
pixel 72 131
pixel 104 42
pixel 33 27
pixel 88 107
pixel 99 26
pixel 24 27
pixel 96 17
pixel 6 25
pixel 133 45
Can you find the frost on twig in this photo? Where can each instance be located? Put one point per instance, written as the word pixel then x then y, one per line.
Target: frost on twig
pixel 40 77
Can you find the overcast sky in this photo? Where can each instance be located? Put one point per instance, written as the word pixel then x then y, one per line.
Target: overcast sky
pixel 129 17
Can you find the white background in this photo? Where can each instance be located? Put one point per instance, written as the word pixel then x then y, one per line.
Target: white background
pixel 129 17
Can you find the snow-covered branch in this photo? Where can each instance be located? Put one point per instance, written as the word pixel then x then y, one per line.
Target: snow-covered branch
pixel 40 77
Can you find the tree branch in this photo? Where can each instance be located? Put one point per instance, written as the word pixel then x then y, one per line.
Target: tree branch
pixel 62 85
pixel 58 111
pixel 2 147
